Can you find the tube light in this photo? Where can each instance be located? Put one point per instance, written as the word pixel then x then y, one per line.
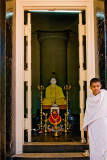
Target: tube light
pixel 62 11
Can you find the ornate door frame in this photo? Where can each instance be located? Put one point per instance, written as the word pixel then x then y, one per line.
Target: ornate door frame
pixel 22 5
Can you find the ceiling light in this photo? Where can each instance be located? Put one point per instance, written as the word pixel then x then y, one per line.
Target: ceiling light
pixel 62 11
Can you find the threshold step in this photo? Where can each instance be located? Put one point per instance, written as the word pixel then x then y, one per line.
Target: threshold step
pixel 50 156
pixel 54 147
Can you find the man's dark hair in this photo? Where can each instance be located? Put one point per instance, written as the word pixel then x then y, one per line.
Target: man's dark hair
pixel 94 80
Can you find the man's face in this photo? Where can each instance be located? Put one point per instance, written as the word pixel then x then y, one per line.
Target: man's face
pixel 95 87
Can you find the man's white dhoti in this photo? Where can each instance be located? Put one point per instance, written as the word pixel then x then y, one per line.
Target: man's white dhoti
pixel 96 120
pixel 97 131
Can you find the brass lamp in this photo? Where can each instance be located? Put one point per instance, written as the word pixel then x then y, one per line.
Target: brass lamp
pixel 41 88
pixel 67 88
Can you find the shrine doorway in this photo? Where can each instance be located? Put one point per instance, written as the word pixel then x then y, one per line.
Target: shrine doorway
pixel 55 37
pixel 25 75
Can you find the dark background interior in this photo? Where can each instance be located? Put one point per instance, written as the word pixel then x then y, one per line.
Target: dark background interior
pixel 64 62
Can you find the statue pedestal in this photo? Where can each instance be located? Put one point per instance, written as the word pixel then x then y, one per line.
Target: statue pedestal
pixel 49 106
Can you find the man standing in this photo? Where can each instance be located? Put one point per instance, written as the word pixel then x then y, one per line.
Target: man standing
pixel 95 121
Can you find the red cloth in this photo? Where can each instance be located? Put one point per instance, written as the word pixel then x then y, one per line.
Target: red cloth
pixel 54 118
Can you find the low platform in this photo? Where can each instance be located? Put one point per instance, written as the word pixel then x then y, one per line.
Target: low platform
pixel 54 147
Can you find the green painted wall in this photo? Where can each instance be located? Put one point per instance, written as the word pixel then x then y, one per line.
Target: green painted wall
pixel 73 72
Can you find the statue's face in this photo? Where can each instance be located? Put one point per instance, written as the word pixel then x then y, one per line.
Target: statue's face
pixel 53 81
pixel 54 112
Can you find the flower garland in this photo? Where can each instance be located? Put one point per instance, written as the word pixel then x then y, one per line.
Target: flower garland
pixel 54 118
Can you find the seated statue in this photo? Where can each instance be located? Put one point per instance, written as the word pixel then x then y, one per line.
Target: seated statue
pixel 54 94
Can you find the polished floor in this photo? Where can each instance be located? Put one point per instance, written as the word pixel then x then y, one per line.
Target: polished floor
pixel 62 137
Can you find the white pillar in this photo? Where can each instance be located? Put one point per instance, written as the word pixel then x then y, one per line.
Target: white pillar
pixel 27 75
pixel 82 72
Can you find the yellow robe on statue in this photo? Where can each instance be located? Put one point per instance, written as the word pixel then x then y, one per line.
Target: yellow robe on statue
pixel 54 94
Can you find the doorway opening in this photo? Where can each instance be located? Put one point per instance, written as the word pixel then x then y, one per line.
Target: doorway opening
pixel 54 53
